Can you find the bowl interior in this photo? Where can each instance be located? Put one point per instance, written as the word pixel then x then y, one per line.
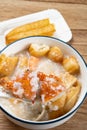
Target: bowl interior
pixel 66 49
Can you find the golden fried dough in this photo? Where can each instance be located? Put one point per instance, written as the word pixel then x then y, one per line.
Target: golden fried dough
pixel 68 79
pixel 38 49
pixel 55 114
pixel 29 26
pixel 7 65
pixel 71 64
pixel 60 101
pixel 58 106
pixel 55 54
pixel 45 31
pixel 72 96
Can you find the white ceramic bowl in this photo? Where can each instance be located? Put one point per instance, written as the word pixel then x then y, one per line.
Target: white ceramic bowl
pixel 67 49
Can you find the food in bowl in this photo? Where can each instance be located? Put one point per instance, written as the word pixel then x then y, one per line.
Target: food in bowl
pixel 43 85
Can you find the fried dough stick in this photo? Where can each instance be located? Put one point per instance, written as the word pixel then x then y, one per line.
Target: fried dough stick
pixel 29 26
pixel 46 31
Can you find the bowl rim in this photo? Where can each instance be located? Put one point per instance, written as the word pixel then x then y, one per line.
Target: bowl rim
pixel 53 120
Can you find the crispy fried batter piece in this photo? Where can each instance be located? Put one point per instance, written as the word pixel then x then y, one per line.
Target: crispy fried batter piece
pixel 55 54
pixel 57 107
pixel 68 79
pixel 7 65
pixel 72 96
pixel 71 65
pixel 38 50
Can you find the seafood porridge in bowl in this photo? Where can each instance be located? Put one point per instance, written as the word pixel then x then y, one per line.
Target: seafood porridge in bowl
pixel 43 78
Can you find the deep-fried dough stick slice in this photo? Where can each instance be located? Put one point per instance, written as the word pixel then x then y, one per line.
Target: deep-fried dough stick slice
pixel 29 26
pixel 72 96
pixel 57 107
pixel 68 79
pixel 7 65
pixel 38 49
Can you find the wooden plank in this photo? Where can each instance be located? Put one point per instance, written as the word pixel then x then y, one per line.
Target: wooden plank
pixel 75 15
pixel 64 1
pixel 81 48
pixel 79 37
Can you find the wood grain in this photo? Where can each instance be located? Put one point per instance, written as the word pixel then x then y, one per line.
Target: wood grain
pixel 75 13
pixel 64 1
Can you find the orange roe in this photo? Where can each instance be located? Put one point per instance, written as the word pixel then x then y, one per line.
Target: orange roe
pixel 51 86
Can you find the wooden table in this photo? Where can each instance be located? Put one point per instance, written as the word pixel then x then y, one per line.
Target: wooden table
pixel 75 13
